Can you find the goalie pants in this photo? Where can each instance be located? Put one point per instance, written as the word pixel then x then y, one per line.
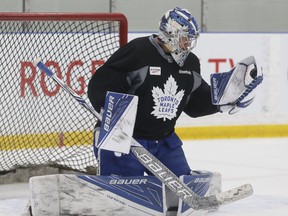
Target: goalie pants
pixel 169 151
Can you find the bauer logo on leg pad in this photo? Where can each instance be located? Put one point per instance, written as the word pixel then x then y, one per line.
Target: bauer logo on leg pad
pixel 118 122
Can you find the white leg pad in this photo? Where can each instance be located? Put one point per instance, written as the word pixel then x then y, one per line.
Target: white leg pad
pixel 111 195
pixel 71 195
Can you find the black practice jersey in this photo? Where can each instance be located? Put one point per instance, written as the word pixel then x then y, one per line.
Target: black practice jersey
pixel 165 89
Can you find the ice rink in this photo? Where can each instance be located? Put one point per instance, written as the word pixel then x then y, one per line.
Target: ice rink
pixel 261 162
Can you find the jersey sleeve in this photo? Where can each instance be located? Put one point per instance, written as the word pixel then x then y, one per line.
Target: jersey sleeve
pixel 200 103
pixel 112 75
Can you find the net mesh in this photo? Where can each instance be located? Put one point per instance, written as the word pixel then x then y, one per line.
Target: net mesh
pixel 40 124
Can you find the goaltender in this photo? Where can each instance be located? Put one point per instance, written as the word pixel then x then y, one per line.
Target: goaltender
pixel 166 76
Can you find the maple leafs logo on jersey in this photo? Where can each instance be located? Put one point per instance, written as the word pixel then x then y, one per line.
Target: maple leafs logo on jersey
pixel 167 101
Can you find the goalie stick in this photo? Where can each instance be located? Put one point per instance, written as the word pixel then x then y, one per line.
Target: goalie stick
pixel 158 169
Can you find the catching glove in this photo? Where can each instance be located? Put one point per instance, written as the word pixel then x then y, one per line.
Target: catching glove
pixel 233 90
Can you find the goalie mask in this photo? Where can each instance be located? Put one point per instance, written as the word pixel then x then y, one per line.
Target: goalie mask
pixel 178 31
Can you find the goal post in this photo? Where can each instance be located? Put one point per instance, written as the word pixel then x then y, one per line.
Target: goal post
pixel 40 124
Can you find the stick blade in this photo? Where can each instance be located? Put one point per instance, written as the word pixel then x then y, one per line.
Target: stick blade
pixel 235 194
pixel 226 197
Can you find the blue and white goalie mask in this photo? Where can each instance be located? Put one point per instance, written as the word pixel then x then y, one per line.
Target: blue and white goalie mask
pixel 178 31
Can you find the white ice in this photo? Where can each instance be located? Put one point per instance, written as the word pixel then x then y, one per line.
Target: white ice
pixel 261 162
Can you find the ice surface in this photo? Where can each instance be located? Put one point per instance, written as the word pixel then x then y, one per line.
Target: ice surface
pixel 261 162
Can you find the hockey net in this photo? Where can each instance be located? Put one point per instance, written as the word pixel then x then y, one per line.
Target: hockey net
pixel 40 124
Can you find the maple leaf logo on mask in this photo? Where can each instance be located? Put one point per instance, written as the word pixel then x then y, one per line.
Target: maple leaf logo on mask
pixel 167 101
